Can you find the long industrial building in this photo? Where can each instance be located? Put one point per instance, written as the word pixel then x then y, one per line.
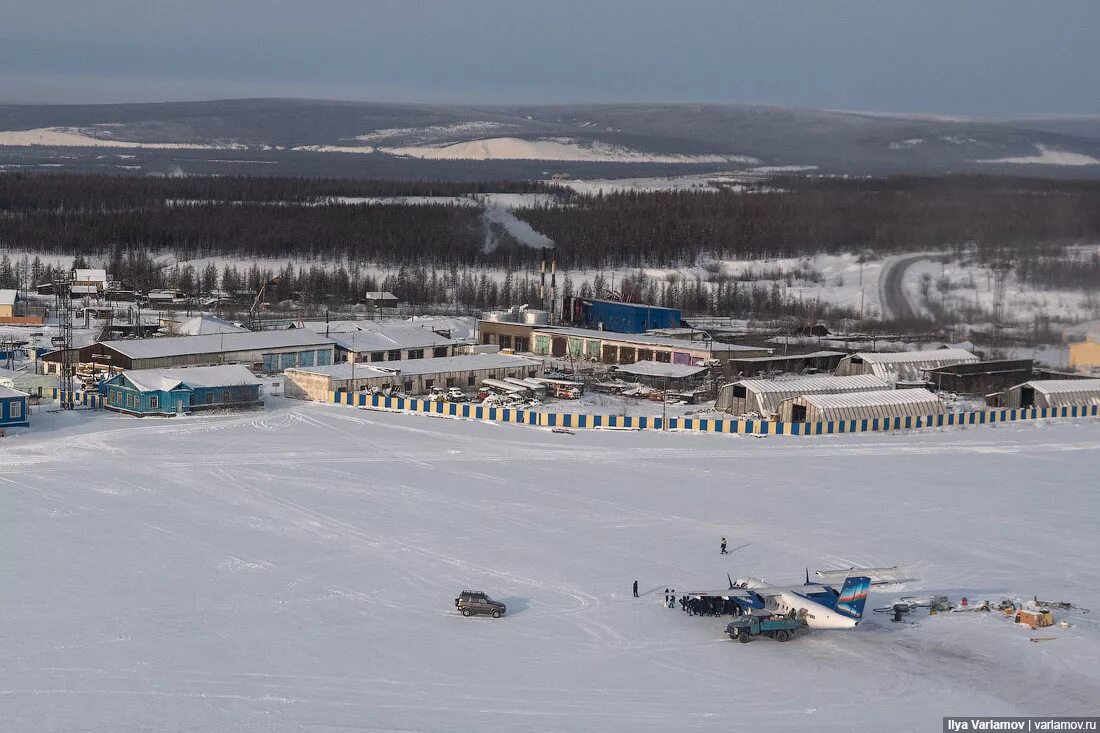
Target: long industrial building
pixel 268 352
pixel 901 366
pixel 622 348
pixel 763 396
pixel 860 405
pixel 411 377
pixel 1050 393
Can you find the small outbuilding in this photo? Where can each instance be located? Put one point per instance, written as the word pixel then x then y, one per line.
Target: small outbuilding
pixel 13 408
pixel 662 374
pixel 860 405
pixel 166 392
pixel 763 396
pixel 901 366
pixel 1049 393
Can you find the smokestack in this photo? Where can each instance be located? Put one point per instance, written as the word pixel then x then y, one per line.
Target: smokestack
pixel 553 286
pixel 542 275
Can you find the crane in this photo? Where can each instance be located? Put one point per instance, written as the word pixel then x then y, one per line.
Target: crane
pixel 259 301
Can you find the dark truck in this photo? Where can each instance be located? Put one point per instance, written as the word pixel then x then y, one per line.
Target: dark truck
pixel 779 628
pixel 470 602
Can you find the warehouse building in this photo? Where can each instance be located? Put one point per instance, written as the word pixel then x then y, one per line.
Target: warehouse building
pixel 613 315
pixel 815 361
pixel 885 404
pixel 1049 393
pixel 763 396
pixel 901 366
pixel 164 392
pixel 414 377
pixel 391 342
pixel 621 348
pixel 267 352
pixel 13 408
pixel 979 377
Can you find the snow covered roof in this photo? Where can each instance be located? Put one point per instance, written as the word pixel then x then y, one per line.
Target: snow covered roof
pixel 206 324
pixel 8 392
pixel 413 367
pixel 872 399
pixel 154 348
pixel 821 385
pixel 379 295
pixel 641 338
pixel 84 290
pixel 165 380
pixel 89 276
pixel 378 337
pixel 1062 386
pixel 7 297
pixel 908 357
pixel 660 369
pixel 792 357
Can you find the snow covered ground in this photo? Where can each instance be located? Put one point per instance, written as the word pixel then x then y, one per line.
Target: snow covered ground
pixel 295 569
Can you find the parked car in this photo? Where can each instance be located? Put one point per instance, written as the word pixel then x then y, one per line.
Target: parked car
pixel 454 394
pixel 470 602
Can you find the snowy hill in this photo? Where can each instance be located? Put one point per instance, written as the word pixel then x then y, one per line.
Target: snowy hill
pixel 398 140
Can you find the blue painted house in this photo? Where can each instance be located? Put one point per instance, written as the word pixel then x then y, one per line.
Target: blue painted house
pixel 181 391
pixel 13 408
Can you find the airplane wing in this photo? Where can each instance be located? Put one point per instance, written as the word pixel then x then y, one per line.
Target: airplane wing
pixel 726 593
pixel 878 576
pixel 774 590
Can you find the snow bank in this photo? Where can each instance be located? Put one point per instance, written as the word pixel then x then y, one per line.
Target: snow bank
pixel 75 137
pixel 564 149
pixel 1048 156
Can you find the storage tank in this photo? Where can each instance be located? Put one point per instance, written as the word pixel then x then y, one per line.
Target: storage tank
pixel 499 316
pixel 536 318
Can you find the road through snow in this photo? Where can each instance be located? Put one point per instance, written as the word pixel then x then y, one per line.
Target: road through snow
pixel 891 288
pixel 294 569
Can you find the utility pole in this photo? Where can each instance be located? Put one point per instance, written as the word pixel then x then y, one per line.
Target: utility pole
pixel 63 308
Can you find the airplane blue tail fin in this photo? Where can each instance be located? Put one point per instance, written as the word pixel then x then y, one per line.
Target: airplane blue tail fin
pixel 853 596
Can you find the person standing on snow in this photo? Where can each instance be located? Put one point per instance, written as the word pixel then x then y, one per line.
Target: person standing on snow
pixel 666 595
pixel 724 546
pixel 635 589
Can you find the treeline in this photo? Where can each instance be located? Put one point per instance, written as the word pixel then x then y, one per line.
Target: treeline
pixel 800 216
pixel 1080 272
pixel 101 216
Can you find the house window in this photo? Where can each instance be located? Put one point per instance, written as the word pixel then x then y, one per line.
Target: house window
pixel 429 383
pixel 378 356
pixel 394 355
pixel 470 381
pixel 209 398
pixel 416 353
pixel 16 410
pixel 324 358
pixel 306 359
pixel 408 386
pixel 439 351
pixel 450 382
pixel 154 402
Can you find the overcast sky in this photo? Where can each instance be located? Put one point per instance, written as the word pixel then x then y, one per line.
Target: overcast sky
pixel 976 57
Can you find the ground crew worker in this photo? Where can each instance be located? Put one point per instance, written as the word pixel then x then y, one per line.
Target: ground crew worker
pixel 666 595
pixel 724 546
pixel 635 589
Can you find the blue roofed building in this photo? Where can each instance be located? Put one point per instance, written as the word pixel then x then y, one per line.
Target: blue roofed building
pixel 167 392
pixel 13 408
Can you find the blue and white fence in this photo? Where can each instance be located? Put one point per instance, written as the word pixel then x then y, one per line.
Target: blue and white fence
pixel 703 425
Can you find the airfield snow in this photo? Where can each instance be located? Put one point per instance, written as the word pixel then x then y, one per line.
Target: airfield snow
pixel 295 569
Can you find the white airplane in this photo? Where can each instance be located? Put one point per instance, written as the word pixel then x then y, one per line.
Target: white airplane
pixel 822 606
